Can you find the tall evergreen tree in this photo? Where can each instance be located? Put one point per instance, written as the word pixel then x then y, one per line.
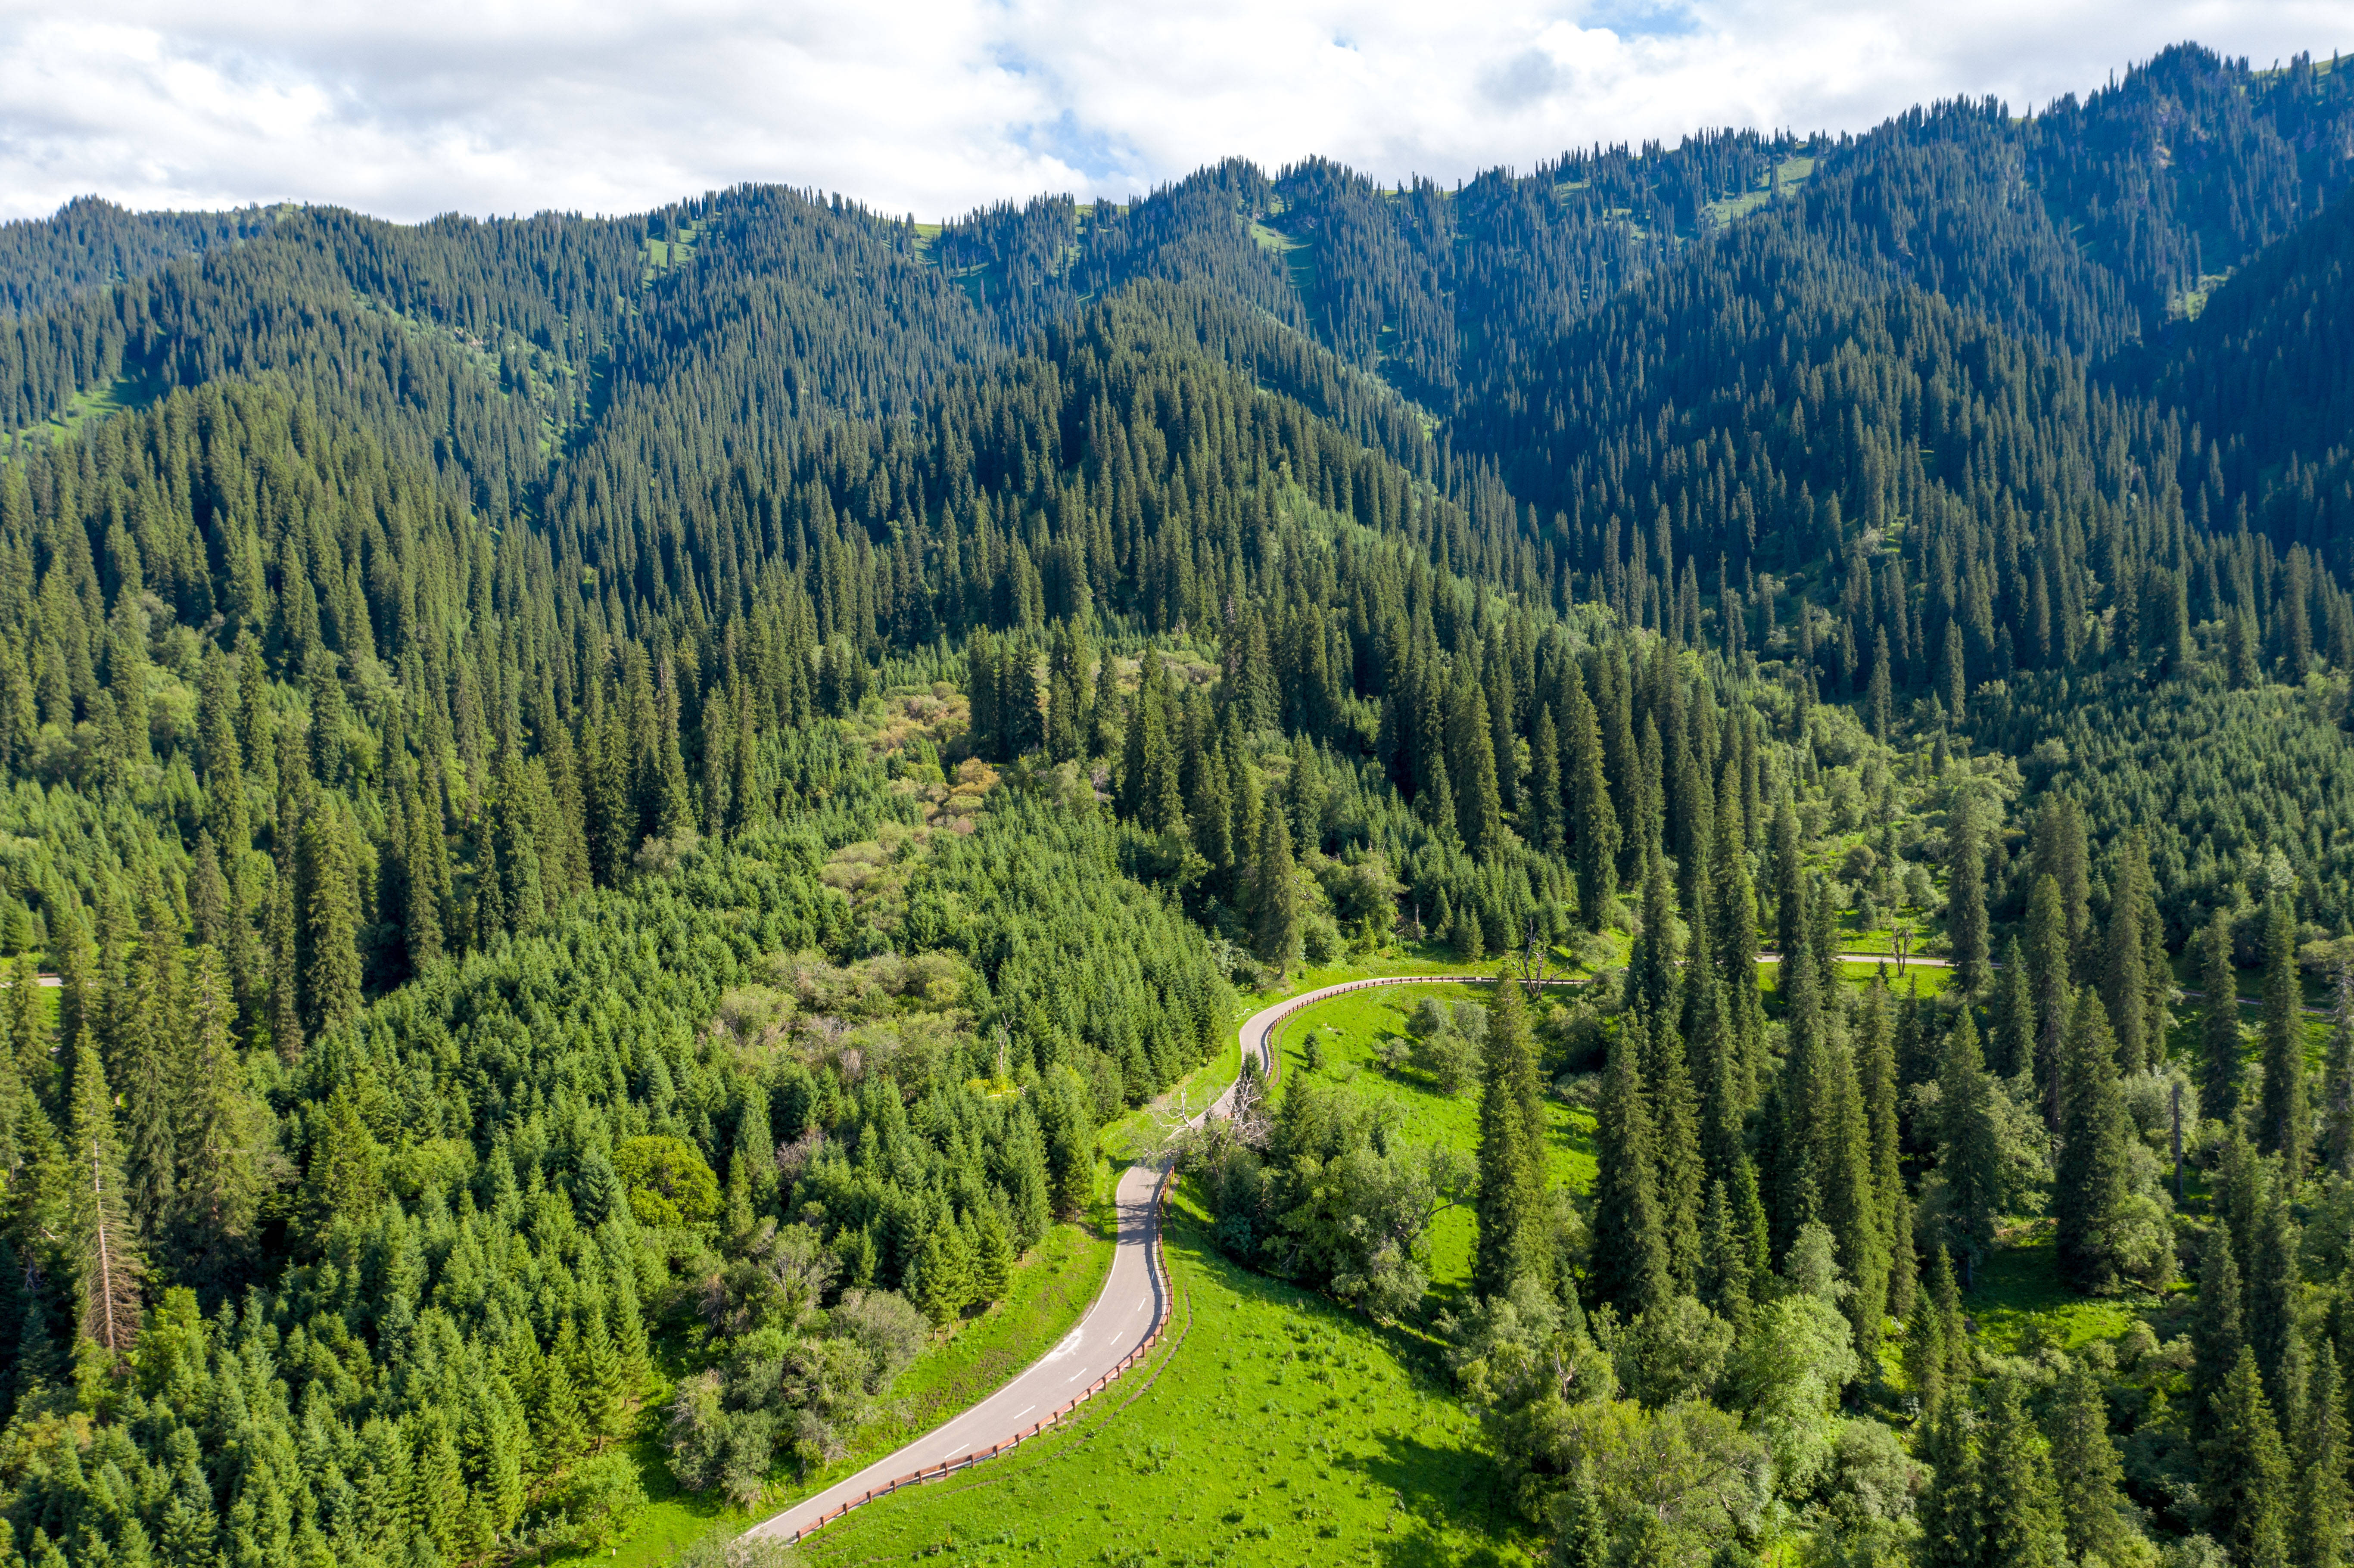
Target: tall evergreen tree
pixel 2220 1037
pixel 2091 1185
pixel 2218 1334
pixel 1512 1152
pixel 2245 1469
pixel 2025 1525
pixel 1631 1250
pixel 2284 1119
pixel 2085 1468
pixel 1966 911
pixel 1968 1146
pixel 2124 970
pixel 220 1181
pixel 1275 906
pixel 2318 1519
pixel 102 1242
pixel 1592 820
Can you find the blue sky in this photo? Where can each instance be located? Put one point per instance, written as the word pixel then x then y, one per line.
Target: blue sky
pixel 934 106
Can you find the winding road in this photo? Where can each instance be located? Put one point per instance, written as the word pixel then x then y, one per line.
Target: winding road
pixel 1132 1306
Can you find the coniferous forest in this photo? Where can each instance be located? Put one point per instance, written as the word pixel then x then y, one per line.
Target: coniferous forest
pixel 596 813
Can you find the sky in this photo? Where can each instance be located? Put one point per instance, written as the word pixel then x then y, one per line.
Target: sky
pixel 932 107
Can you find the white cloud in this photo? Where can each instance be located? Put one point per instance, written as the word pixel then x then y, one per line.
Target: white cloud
pixel 933 106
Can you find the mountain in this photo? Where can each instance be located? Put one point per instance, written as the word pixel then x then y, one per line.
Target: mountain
pixel 614 804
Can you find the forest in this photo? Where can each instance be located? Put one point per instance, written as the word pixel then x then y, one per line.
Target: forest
pixel 603 820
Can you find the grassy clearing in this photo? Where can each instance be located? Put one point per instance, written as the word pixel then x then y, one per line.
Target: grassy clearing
pixel 1282 1430
pixel 1348 1029
pixel 2018 1284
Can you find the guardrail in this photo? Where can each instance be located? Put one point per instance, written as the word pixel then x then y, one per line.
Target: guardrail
pixel 1158 1260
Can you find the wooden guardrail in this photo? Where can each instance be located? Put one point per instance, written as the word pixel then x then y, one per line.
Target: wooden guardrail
pixel 1158 1261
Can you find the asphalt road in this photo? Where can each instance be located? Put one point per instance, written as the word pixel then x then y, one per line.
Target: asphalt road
pixel 1134 1299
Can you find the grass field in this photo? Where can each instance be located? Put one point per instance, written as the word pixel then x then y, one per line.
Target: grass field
pixel 1348 1028
pixel 1281 1430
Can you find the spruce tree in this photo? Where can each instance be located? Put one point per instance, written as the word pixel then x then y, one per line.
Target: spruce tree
pixel 220 1181
pixel 2245 1472
pixel 1965 912
pixel 2091 1178
pixel 1968 1144
pixel 2269 1291
pixel 2125 972
pixel 1652 962
pixel 2318 1521
pixel 2282 1118
pixel 1512 1152
pixel 2218 1336
pixel 1592 821
pixel 1542 812
pixel 2024 1524
pixel 2013 1023
pixel 2220 1037
pixel 1953 1512
pixel 1734 937
pixel 1725 1285
pixel 1851 1201
pixel 102 1242
pixel 2085 1468
pixel 1274 894
pixel 1631 1252
pixel 1675 1125
pixel 2337 1081
pixel 1790 930
pixel 2048 963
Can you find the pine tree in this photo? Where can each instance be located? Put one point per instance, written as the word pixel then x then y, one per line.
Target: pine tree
pixel 2283 1117
pixel 1542 813
pixel 1965 912
pixel 2337 1081
pixel 2025 1526
pixel 2124 974
pixel 220 1181
pixel 2318 1522
pixel 1593 822
pixel 2269 1292
pixel 2245 1470
pixel 1954 1512
pixel 1969 1148
pixel 1512 1152
pixel 2218 1337
pixel 1274 894
pixel 103 1244
pixel 1630 1253
pixel 2091 1182
pixel 2085 1466
pixel 2219 1038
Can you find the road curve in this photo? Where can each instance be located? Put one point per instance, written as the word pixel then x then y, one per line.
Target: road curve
pixel 1133 1303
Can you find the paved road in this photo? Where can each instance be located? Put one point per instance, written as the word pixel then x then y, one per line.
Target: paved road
pixel 1134 1300
pixel 1135 1297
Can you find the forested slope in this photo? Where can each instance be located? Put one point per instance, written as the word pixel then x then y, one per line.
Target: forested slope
pixel 615 800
